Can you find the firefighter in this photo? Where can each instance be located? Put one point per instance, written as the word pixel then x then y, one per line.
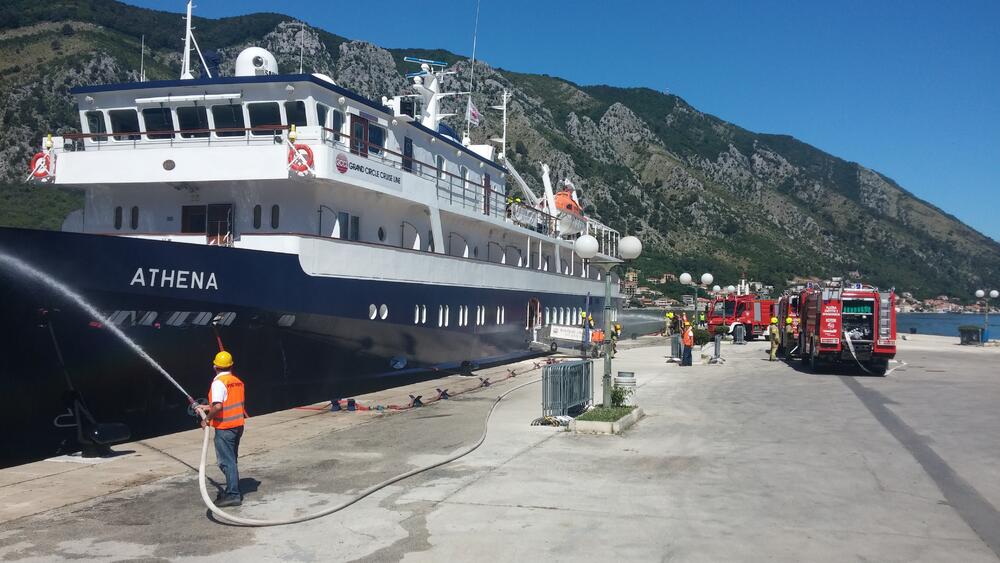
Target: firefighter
pixel 225 413
pixel 789 336
pixel 773 335
pixel 616 332
pixel 668 322
pixel 687 339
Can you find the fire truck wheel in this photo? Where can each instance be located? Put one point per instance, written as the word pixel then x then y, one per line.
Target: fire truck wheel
pixel 878 367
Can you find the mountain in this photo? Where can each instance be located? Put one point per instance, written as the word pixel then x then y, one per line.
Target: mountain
pixel 702 193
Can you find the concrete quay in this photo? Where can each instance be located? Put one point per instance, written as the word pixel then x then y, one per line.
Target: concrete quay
pixel 746 461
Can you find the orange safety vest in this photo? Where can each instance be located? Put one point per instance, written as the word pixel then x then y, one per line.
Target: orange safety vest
pixel 688 337
pixel 233 413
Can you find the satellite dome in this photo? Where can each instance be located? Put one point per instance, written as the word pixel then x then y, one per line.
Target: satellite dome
pixel 254 61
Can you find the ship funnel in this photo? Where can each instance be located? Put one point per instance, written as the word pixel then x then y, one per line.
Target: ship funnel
pixel 254 61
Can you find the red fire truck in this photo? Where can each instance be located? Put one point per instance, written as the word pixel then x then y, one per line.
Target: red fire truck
pixel 848 323
pixel 749 310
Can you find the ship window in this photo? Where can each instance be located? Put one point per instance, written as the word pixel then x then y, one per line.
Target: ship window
pixel 194 219
pixel 192 121
pixel 135 218
pixel 408 154
pixel 229 120
pixel 416 314
pixel 440 167
pixel 498 314
pixel 337 125
pixel 321 113
pixel 440 315
pixel 447 314
pixel 295 112
pixel 95 124
pixel 503 315
pixel 256 216
pixel 372 311
pixel 124 121
pixel 263 115
pixel 355 228
pixel 423 314
pixel 118 218
pixel 275 211
pixel 158 119
pixel 376 139
pixel 383 312
pixel 548 317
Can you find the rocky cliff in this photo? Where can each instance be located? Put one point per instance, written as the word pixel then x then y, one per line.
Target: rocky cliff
pixel 703 194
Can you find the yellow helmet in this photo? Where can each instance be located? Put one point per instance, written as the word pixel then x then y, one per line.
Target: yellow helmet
pixel 788 320
pixel 670 314
pixel 223 360
pixel 774 320
pixel 583 314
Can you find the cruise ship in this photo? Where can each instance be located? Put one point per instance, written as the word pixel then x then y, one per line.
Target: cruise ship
pixel 334 244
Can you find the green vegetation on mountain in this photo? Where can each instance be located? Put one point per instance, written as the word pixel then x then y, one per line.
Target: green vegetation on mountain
pixel 702 193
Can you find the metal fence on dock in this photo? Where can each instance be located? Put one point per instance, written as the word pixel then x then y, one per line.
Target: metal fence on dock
pixel 567 386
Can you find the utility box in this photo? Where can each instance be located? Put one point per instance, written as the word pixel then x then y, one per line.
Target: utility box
pixel 970 335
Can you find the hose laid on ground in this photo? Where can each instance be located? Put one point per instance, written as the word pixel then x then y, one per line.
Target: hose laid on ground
pixel 202 480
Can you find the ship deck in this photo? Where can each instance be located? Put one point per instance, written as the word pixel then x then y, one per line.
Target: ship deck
pixel 746 460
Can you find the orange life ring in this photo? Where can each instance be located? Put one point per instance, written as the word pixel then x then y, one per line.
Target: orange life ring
pixel 40 172
pixel 296 164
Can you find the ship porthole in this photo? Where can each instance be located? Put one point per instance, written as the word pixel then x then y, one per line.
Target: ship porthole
pixel 372 311
pixel 383 312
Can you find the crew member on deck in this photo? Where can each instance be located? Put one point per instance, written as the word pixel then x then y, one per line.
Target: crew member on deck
pixel 225 412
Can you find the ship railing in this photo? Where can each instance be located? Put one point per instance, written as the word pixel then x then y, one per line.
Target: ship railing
pixel 607 238
pixel 225 136
pixel 479 197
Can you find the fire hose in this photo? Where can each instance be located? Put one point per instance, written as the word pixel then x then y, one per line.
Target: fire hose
pixel 232 519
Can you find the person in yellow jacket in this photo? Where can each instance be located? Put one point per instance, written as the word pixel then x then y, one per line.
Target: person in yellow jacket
pixel 773 335
pixel 225 412
pixel 668 323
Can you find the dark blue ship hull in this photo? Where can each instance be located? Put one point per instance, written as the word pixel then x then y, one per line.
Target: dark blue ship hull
pixel 297 339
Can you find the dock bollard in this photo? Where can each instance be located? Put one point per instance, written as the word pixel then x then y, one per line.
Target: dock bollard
pixel 351 405
pixel 335 405
pixel 717 356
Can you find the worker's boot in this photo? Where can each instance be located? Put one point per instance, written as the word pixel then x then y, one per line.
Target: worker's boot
pixel 230 500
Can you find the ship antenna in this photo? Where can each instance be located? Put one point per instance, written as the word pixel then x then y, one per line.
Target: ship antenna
pixel 142 59
pixel 302 44
pixel 472 77
pixel 188 40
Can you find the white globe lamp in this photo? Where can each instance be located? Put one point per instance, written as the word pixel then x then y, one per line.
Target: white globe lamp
pixel 629 247
pixel 706 279
pixel 586 247
pixel 685 278
pixel 994 294
pixel 716 288
pixel 980 294
pixel 730 289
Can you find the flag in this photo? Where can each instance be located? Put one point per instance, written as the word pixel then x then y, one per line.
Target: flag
pixel 471 113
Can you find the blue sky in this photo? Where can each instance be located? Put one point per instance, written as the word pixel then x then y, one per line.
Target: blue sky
pixel 911 89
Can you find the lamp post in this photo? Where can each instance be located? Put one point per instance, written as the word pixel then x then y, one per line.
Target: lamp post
pixel 981 294
pixel 629 248
pixel 706 280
